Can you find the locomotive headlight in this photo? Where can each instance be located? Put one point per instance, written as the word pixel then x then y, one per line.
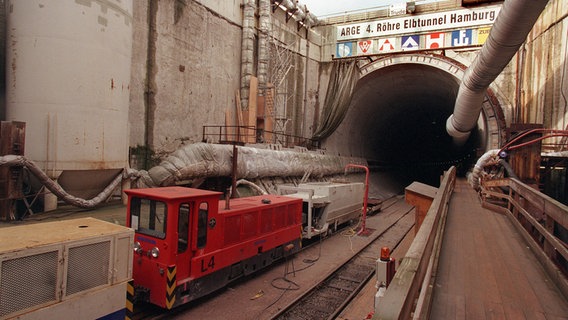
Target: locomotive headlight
pixel 155 252
pixel 137 247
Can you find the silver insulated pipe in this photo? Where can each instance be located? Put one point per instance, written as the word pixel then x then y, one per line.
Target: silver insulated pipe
pixel 300 12
pixel 508 33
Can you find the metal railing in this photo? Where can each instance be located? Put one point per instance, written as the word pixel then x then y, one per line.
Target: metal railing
pixel 250 134
pixel 229 134
pixel 286 140
pixel 409 291
pixel 541 220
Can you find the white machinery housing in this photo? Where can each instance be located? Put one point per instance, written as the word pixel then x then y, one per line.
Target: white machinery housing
pixel 70 269
pixel 326 204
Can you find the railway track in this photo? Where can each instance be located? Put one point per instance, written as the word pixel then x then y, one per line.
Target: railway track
pixel 328 298
pixel 145 311
pixel 397 221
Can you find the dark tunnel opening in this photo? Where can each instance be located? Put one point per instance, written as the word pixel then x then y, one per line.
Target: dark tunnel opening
pixel 398 116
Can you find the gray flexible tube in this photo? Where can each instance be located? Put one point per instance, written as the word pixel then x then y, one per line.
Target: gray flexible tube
pixel 56 189
pixel 508 33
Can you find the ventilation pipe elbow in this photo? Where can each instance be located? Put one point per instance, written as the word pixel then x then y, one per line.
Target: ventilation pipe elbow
pixel 288 4
pixel 508 33
pixel 300 12
pixel 459 137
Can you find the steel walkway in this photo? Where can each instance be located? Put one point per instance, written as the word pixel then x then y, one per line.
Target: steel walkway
pixel 486 271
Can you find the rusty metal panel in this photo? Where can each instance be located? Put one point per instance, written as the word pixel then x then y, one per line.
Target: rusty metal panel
pixel 13 137
pixel 525 161
pixel 12 141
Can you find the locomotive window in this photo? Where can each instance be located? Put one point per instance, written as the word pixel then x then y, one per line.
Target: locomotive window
pixel 202 218
pixel 183 227
pixel 149 217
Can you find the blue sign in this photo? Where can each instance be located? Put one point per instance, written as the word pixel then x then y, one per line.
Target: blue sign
pixel 462 38
pixel 410 42
pixel 344 50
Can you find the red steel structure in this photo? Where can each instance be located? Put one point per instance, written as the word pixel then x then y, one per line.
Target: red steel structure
pixel 188 243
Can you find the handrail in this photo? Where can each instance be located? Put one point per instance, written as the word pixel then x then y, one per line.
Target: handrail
pixel 251 134
pixel 411 281
pixel 287 140
pixel 538 218
pixel 229 134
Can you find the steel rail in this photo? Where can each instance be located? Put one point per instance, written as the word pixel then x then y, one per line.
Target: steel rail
pixel 320 286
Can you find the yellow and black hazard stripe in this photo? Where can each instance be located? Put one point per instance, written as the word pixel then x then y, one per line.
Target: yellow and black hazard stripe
pixel 171 287
pixel 129 300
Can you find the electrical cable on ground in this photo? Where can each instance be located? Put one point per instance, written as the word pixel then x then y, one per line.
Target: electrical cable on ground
pixel 292 286
pixel 351 232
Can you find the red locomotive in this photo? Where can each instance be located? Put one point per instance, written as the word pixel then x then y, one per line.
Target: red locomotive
pixel 188 243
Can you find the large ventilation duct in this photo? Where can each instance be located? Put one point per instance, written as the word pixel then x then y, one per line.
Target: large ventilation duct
pixel 508 33
pixel 201 160
pixel 215 160
pixel 265 26
pixel 247 51
pixel 300 12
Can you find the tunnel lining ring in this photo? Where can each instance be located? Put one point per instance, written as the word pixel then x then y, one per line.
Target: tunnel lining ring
pixel 492 113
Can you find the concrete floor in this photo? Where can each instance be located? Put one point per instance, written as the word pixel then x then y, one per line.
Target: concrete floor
pixel 257 297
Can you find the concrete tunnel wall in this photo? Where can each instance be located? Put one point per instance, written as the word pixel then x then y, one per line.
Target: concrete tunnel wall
pixel 396 121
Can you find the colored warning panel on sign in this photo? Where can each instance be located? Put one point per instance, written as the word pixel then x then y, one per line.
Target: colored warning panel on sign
pixel 414 42
pixel 366 47
pixel 344 50
pixel 386 45
pixel 409 43
pixel 461 38
pixel 435 40
pixel 482 35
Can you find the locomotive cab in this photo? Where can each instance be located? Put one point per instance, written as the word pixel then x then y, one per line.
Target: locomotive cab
pixel 188 243
pixel 171 225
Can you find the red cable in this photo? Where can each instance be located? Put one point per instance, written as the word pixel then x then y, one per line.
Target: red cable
pixel 536 140
pixel 550 131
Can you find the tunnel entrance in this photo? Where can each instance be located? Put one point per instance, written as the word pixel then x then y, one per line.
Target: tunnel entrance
pixel 397 117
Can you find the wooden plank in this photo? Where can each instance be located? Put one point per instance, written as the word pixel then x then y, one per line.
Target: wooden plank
pixel 463 267
pixel 238 109
pixel 494 310
pixel 512 264
pixel 513 311
pixel 552 207
pixel 403 290
pixel 491 267
pixel 499 195
pixel 238 118
pixel 459 308
pixel 496 183
pixel 252 108
pixel 542 230
pixel 526 161
pixel 533 198
pixel 558 280
pixel 422 189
